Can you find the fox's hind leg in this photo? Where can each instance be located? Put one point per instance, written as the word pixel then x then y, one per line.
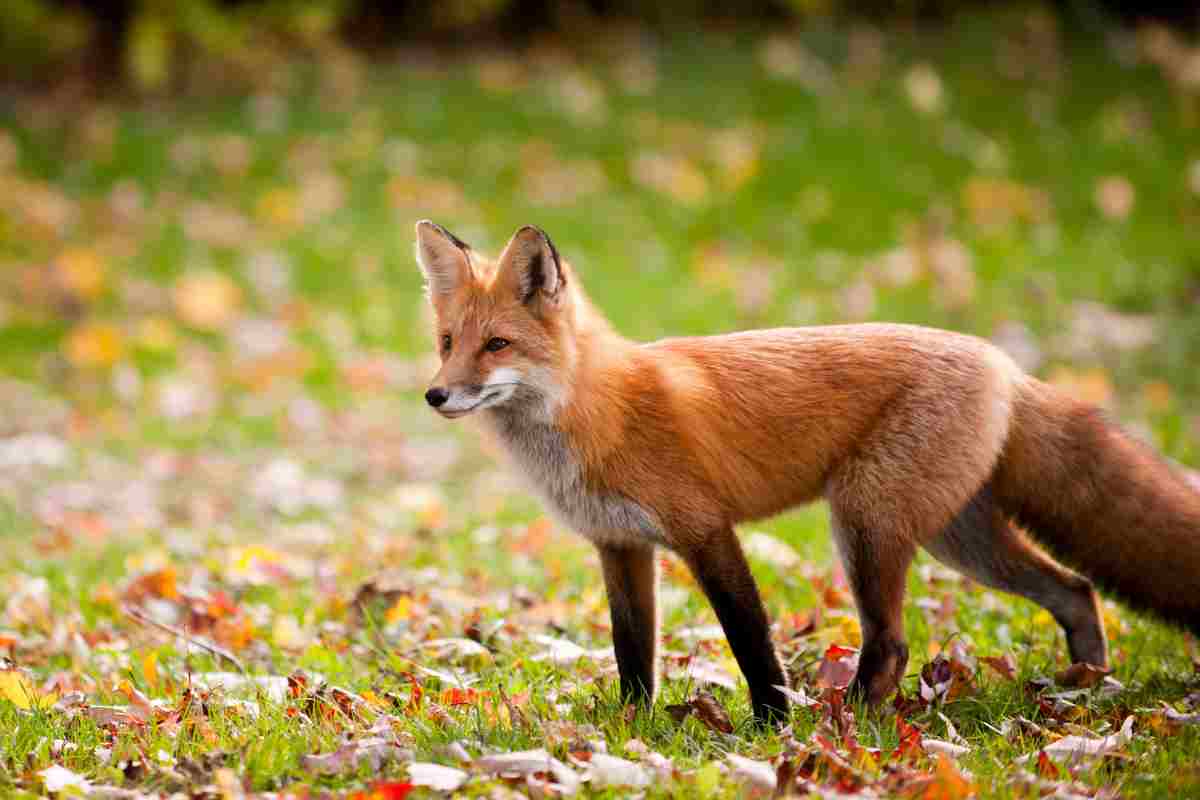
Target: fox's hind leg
pixel 981 542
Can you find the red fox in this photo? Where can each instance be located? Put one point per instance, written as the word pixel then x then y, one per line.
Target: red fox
pixel 916 438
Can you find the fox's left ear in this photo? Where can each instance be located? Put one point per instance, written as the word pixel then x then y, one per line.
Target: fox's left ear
pixel 530 265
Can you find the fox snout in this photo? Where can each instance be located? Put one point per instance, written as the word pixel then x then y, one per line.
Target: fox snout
pixel 456 400
pixel 451 401
pixel 437 396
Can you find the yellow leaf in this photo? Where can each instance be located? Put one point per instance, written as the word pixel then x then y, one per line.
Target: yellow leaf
pixel 1113 624
pixel 208 300
pixel 848 631
pixel 278 208
pixel 1043 619
pixel 401 609
pixel 94 344
pixel 81 272
pixel 150 668
pixel 15 686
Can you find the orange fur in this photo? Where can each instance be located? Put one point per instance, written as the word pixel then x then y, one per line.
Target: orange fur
pixel 916 437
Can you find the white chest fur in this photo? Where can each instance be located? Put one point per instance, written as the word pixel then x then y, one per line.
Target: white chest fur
pixel 542 454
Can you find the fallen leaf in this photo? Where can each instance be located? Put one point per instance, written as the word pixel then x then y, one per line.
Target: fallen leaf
pixel 603 770
pixel 1005 665
pixel 758 774
pixel 710 711
pixel 799 697
pixel 700 672
pixel 527 763
pixel 838 667
pixel 1180 717
pixel 948 782
pixel 562 651
pixel 94 344
pixel 436 777
pixel 19 688
pixel 60 780
pixel 939 747
pixel 373 751
pixel 385 790
pixel 1080 748
pixel 207 300
pixel 1080 675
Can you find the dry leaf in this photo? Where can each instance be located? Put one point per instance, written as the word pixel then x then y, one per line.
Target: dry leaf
pixel 759 774
pixel 1005 665
pixel 60 780
pixel 603 770
pixel 436 776
pixel 527 763
pixel 207 300
pixel 373 751
pixel 1080 675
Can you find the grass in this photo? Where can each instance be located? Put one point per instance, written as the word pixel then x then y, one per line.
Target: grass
pixel 777 202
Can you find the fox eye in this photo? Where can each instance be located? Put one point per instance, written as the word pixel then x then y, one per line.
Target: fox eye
pixel 496 343
pixel 446 342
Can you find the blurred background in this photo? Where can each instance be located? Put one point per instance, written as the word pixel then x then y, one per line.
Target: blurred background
pixel 212 335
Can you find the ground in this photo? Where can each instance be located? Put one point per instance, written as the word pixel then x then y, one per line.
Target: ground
pixel 241 556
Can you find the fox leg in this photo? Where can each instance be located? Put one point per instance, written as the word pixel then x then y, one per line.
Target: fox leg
pixel 981 542
pixel 877 568
pixel 631 583
pixel 721 570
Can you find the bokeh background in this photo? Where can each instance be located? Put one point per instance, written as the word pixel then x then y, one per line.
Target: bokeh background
pixel 212 331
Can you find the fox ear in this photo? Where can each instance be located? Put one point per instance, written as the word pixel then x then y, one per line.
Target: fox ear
pixel 530 264
pixel 444 259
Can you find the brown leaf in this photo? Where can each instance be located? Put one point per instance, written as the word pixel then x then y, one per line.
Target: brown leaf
pixel 1005 665
pixel 375 751
pixel 679 712
pixel 710 711
pixel 1080 675
pixel 706 708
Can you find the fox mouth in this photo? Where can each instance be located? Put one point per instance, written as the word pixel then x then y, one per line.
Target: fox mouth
pixel 495 392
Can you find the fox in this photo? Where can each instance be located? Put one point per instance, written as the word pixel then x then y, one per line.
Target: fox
pixel 915 437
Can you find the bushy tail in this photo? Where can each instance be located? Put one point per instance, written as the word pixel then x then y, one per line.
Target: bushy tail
pixel 1104 503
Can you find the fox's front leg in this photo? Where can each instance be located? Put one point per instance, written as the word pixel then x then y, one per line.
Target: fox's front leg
pixel 631 583
pixel 876 564
pixel 721 570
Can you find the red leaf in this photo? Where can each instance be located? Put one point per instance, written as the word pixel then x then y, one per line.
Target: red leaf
pixel 1045 767
pixel 836 652
pixel 909 747
pixel 391 790
pixel 461 697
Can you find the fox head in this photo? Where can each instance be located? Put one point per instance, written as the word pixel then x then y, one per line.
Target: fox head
pixel 504 329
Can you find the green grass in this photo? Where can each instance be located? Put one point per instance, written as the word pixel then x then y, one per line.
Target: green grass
pixel 838 180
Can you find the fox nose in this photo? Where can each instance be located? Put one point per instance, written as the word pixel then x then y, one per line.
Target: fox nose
pixel 436 396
